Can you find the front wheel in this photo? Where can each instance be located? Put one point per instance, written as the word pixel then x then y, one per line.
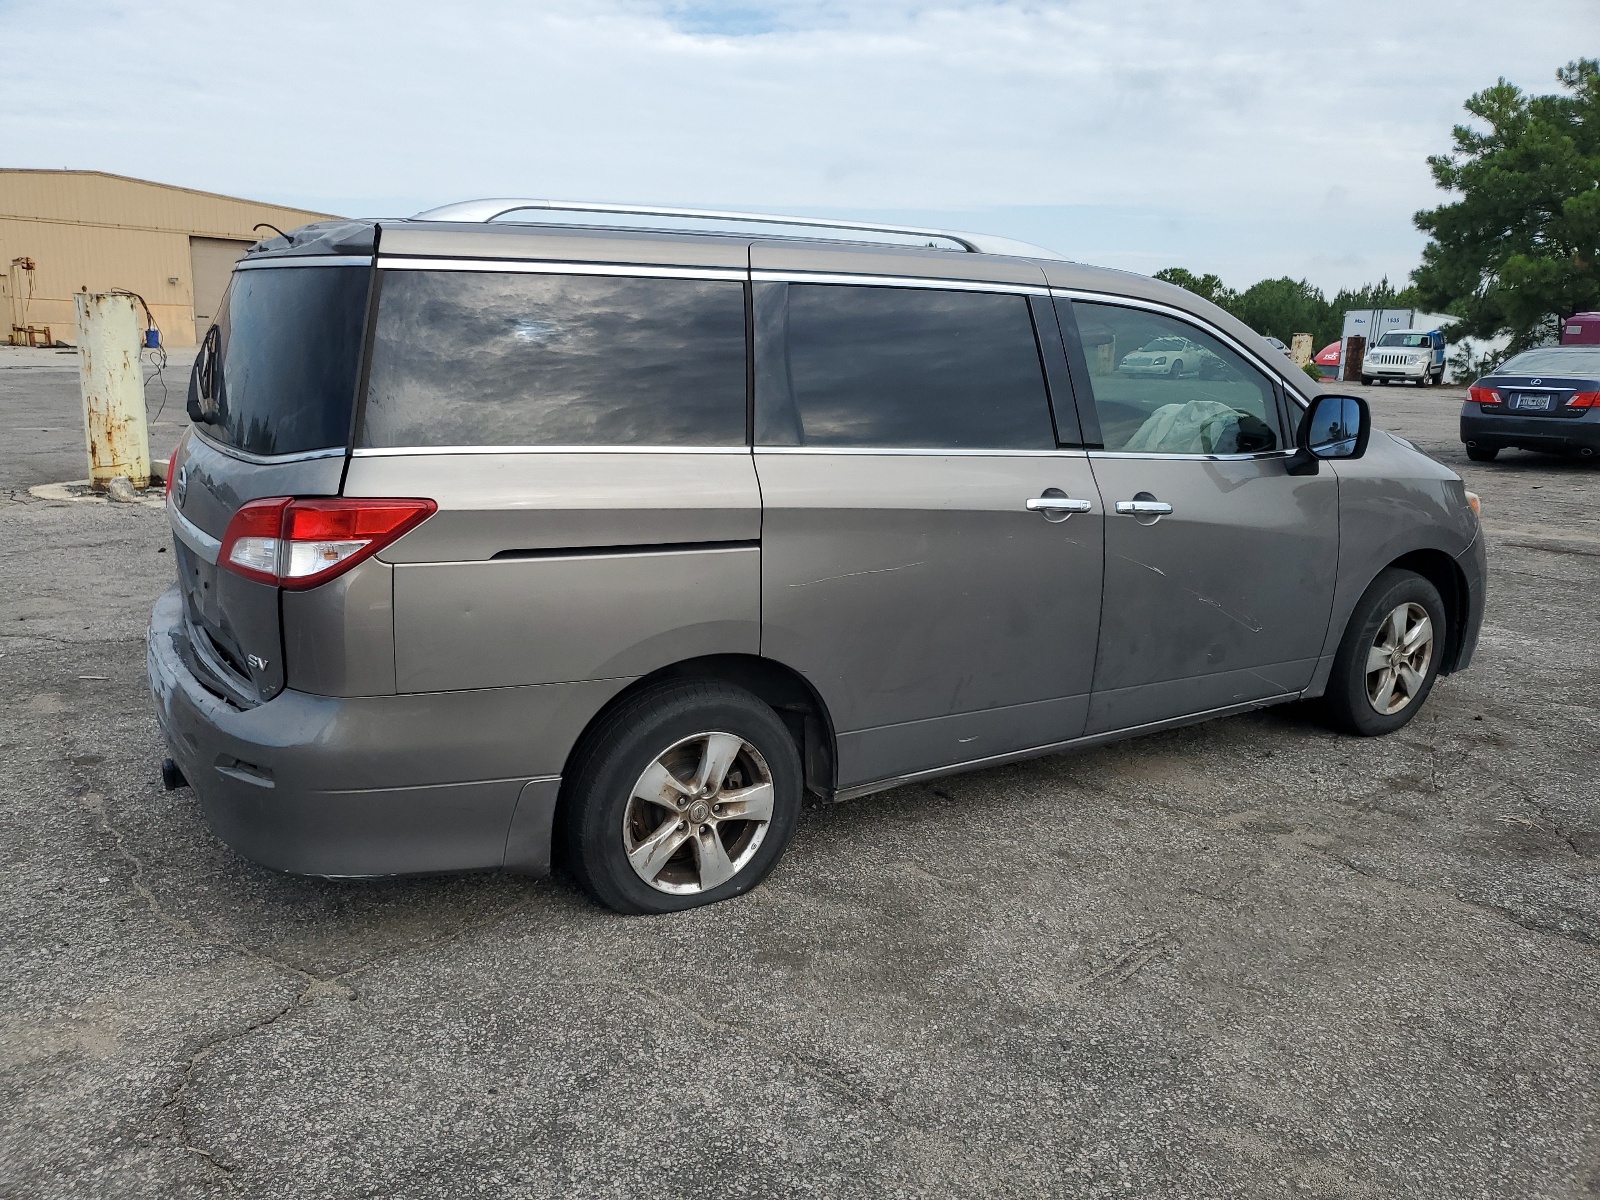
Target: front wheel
pixel 1389 657
pixel 686 794
pixel 1176 369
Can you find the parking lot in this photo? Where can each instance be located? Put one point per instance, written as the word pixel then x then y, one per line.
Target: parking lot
pixel 1250 958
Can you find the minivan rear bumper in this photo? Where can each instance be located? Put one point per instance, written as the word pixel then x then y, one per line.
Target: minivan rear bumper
pixel 372 785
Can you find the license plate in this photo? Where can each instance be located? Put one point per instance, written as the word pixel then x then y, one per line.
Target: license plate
pixel 1533 402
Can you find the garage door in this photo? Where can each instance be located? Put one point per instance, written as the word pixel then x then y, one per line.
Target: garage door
pixel 210 263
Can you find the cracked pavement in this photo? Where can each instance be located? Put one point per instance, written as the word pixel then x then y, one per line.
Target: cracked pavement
pixel 1250 959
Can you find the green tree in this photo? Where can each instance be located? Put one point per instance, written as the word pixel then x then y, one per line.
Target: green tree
pixel 1285 307
pixel 1520 249
pixel 1209 286
pixel 1378 295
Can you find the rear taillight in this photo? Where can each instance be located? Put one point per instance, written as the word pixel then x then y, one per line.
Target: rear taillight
pixel 299 544
pixel 1585 400
pixel 1483 395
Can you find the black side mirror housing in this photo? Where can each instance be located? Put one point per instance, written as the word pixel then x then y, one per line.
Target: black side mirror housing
pixel 1333 427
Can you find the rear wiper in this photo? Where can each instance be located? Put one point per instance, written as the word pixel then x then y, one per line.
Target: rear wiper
pixel 199 416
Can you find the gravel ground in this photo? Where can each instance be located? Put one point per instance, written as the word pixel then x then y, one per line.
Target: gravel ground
pixel 1246 959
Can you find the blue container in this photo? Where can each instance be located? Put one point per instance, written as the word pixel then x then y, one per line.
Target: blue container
pixel 152 339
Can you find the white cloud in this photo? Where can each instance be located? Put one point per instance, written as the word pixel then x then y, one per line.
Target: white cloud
pixel 1251 138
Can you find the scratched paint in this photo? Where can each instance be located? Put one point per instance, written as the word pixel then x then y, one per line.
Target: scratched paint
pixel 109 375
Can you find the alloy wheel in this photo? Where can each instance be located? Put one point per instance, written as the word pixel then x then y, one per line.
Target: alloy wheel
pixel 698 813
pixel 1398 661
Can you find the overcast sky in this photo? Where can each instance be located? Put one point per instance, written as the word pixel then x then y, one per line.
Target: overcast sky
pixel 1252 138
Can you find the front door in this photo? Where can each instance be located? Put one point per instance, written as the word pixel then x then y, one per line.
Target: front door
pixel 1219 564
pixel 901 433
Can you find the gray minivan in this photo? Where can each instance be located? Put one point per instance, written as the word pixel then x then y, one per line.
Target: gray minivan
pixel 500 540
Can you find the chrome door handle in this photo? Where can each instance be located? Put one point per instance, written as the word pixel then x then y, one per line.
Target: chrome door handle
pixel 1143 508
pixel 1059 504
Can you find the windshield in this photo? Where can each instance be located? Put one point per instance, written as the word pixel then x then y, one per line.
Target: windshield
pixel 276 373
pixel 1554 360
pixel 1404 339
pixel 1167 343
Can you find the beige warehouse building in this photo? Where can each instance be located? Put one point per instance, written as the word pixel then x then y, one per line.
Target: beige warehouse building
pixel 68 231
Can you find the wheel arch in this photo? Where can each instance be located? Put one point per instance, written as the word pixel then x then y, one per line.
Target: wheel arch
pixel 781 687
pixel 1446 575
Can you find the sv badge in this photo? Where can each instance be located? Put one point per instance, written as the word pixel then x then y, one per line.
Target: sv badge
pixel 256 661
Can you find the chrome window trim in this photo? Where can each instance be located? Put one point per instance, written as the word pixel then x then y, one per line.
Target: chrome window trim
pixel 925 452
pixel 1190 457
pixel 410 451
pixel 899 281
pixel 305 260
pixel 192 536
pixel 266 460
pixel 552 267
pixel 1170 310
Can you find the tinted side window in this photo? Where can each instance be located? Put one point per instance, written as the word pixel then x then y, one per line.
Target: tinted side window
pixel 840 365
pixel 277 372
pixel 469 358
pixel 1163 386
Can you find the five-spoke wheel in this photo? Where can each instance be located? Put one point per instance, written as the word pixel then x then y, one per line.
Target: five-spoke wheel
pixel 1398 661
pixel 698 814
pixel 686 793
pixel 1390 654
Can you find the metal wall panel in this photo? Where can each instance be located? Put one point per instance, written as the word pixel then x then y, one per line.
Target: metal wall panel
pixel 89 231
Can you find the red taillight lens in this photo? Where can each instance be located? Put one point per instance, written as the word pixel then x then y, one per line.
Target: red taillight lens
pixel 299 544
pixel 1483 395
pixel 171 459
pixel 1585 400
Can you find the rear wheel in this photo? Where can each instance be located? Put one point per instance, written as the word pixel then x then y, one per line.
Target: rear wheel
pixel 685 795
pixel 1482 453
pixel 1389 657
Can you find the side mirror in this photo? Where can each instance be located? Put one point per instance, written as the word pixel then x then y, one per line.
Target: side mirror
pixel 1333 427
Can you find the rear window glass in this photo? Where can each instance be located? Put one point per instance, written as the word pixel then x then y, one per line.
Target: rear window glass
pixel 470 358
pixel 1554 360
pixel 841 365
pixel 276 373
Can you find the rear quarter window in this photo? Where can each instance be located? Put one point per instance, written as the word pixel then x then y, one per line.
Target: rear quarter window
pixel 470 358
pixel 276 373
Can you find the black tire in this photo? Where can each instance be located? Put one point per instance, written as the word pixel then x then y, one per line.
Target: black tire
pixel 1426 380
pixel 1176 369
pixel 1482 453
pixel 1347 701
pixel 1366 380
pixel 614 756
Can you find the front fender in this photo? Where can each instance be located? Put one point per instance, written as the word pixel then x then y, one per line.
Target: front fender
pixel 1396 501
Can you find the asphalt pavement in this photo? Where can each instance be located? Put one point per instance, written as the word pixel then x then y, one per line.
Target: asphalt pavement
pixel 1251 958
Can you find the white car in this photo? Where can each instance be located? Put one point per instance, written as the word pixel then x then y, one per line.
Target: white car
pixel 1412 355
pixel 1169 356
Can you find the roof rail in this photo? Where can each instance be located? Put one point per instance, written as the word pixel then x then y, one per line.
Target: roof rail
pixel 488 210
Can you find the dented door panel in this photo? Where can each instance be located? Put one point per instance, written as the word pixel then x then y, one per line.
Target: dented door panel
pixel 1221 602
